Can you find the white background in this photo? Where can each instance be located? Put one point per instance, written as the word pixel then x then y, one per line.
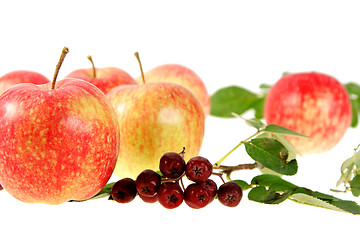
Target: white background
pixel 243 43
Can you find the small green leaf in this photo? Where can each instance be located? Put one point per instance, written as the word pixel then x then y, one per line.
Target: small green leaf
pixel 105 192
pixel 272 128
pixel 244 185
pixel 262 195
pixel 231 99
pixel 355 186
pixel 252 122
pixel 265 86
pixel 271 154
pixel 353 88
pixel 256 123
pixel 355 112
pixel 349 168
pixel 274 182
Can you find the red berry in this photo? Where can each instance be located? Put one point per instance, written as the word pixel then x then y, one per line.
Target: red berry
pixel 196 196
pixel 170 195
pixel 1 188
pixel 198 169
pixel 211 187
pixel 148 182
pixel 230 194
pixel 172 165
pixel 124 190
pixel 147 199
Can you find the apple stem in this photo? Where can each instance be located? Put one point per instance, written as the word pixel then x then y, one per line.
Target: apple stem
pixel 93 66
pixel 61 60
pixel 141 69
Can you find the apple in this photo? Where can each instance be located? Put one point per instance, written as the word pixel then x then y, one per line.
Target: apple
pixel 58 142
pixel 155 118
pixel 313 104
pixel 21 76
pixel 103 78
pixel 181 75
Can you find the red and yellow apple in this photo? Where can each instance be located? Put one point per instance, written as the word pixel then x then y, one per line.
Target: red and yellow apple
pixel 182 75
pixel 313 104
pixel 21 76
pixel 58 142
pixel 155 118
pixel 103 78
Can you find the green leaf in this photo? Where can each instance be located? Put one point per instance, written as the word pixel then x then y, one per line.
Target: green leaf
pixel 355 186
pixel 252 122
pixel 355 112
pixel 258 107
pixel 306 196
pixel 353 88
pixel 262 195
pixel 256 123
pixel 105 192
pixel 273 182
pixel 271 154
pixel 231 99
pixel 244 185
pixel 272 128
pixel 349 168
pixel 273 189
pixel 265 86
pixel 354 94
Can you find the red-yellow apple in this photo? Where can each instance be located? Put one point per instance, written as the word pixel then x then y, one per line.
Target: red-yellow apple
pixel 155 118
pixel 58 142
pixel 181 75
pixel 313 104
pixel 21 76
pixel 103 78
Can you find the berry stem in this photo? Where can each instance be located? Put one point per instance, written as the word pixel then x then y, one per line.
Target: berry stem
pixel 247 166
pixel 61 60
pixel 182 184
pixel 218 163
pixel 182 154
pixel 220 176
pixel 93 66
pixel 141 69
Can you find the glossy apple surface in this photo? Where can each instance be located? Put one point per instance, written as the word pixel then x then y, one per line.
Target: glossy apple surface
pixel 21 76
pixel 155 118
pixel 56 144
pixel 182 75
pixel 106 78
pixel 313 104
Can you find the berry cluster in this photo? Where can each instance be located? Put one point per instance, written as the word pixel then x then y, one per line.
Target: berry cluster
pixel 168 189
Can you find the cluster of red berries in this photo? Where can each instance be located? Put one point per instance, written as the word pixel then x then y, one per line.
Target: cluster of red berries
pixel 166 189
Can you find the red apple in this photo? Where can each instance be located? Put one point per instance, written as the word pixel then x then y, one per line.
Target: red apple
pixel 182 75
pixel 103 78
pixel 155 118
pixel 313 104
pixel 21 76
pixel 58 142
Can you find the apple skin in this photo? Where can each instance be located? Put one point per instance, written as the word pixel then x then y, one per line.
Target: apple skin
pixel 56 145
pixel 313 104
pixel 155 118
pixel 106 78
pixel 182 75
pixel 21 76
